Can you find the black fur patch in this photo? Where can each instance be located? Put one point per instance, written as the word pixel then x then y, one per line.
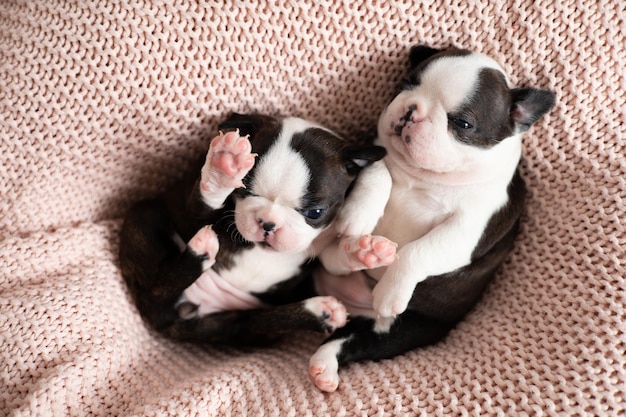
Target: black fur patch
pixel 487 111
pixel 321 151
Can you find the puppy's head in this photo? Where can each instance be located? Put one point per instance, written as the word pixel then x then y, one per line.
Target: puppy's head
pixel 299 181
pixel 455 116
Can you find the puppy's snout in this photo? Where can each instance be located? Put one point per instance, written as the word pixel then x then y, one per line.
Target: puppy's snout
pixel 267 226
pixel 413 113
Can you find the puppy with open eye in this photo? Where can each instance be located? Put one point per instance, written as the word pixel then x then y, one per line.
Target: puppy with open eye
pixel 448 193
pixel 271 188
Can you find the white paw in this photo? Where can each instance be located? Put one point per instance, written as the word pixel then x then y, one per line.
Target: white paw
pixel 324 367
pixel 369 252
pixel 229 159
pixel 390 298
pixel 331 312
pixel 206 245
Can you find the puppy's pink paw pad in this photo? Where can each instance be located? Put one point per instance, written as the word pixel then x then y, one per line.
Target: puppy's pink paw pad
pixel 229 159
pixel 325 381
pixel 323 370
pixel 205 243
pixel 331 312
pixel 370 252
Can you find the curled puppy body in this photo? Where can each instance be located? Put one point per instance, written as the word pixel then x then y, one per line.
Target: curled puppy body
pixel 448 193
pixel 270 188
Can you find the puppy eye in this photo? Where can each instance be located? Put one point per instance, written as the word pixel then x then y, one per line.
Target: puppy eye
pixel 463 124
pixel 314 214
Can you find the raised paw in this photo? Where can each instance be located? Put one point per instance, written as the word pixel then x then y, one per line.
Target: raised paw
pixel 229 159
pixel 368 252
pixel 206 245
pixel 331 312
pixel 324 367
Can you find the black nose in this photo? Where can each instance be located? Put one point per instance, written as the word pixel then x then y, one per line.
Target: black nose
pixel 409 112
pixel 268 226
pixel 397 128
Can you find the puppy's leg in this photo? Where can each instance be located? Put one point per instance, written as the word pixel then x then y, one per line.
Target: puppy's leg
pixel 436 306
pixel 156 263
pixel 357 253
pixel 368 339
pixel 228 160
pixel 177 273
pixel 262 325
pixel 366 202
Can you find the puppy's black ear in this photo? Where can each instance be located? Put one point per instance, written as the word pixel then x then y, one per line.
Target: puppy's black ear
pixel 528 105
pixel 420 53
pixel 357 158
pixel 248 124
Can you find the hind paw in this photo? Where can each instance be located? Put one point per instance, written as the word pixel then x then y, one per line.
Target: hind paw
pixel 324 367
pixel 331 312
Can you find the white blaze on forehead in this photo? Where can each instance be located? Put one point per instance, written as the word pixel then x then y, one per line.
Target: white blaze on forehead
pixel 453 79
pixel 282 175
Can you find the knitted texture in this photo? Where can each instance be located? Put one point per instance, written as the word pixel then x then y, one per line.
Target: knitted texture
pixel 107 102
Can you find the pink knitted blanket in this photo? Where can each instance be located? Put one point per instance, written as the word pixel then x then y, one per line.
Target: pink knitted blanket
pixel 103 103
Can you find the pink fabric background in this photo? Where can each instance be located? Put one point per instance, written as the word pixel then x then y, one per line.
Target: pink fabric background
pixel 103 104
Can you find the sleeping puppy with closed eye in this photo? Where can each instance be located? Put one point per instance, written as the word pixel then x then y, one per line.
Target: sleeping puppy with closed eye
pixel 222 256
pixel 448 193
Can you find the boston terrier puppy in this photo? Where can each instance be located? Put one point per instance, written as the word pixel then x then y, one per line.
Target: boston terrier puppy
pixel 221 256
pixel 448 193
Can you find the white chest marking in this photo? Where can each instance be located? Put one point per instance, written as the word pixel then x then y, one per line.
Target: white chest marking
pixel 258 269
pixel 410 214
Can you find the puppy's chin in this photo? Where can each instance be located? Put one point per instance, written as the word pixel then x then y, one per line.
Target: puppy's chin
pixel 290 232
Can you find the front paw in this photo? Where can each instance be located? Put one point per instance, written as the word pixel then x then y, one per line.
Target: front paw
pixel 369 252
pixel 229 159
pixel 205 245
pixel 390 298
pixel 331 313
